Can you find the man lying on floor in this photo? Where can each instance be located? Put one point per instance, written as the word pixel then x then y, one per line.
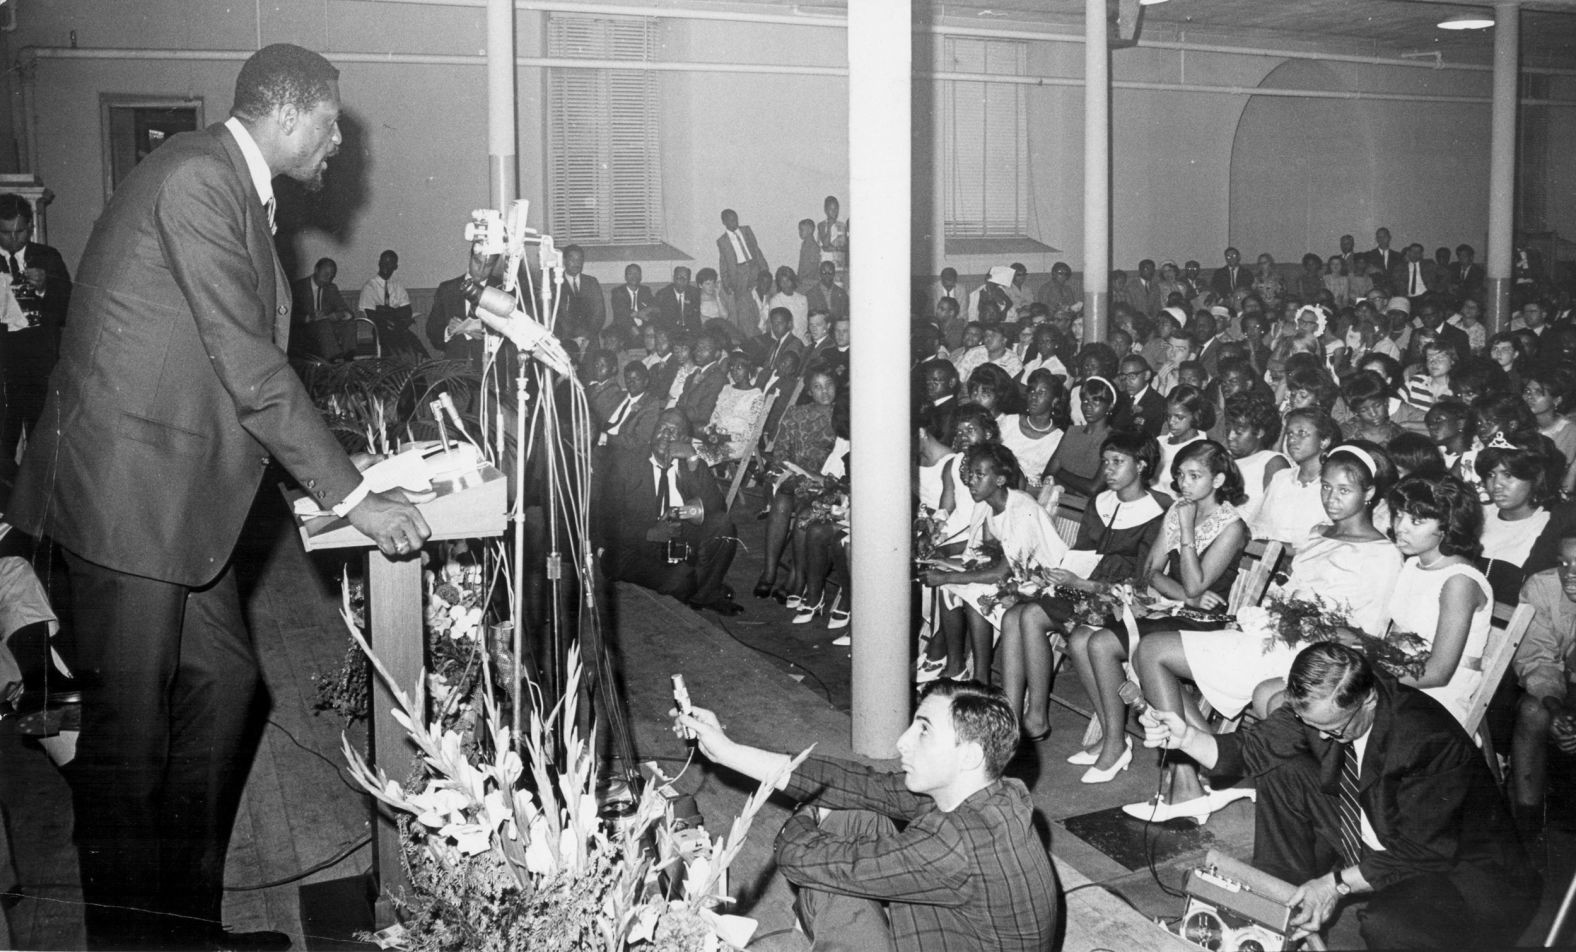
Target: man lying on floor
pixel 966 871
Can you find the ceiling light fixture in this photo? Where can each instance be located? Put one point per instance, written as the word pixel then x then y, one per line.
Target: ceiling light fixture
pixel 1467 22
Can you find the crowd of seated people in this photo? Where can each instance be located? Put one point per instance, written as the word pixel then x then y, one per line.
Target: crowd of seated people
pixel 1412 469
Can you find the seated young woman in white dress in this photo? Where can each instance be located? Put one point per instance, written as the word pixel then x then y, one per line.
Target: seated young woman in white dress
pixel 1009 517
pixel 1346 562
pixel 1291 504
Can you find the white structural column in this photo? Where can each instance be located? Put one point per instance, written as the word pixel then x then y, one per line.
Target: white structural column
pixel 1097 171
pixel 1502 165
pixel 502 182
pixel 880 162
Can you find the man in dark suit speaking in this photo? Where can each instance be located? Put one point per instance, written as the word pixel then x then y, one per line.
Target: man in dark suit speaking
pixel 144 464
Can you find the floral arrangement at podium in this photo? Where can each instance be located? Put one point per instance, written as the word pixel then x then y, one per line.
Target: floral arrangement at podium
pixel 509 848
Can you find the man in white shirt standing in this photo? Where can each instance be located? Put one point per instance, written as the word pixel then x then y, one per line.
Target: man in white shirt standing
pixel 386 303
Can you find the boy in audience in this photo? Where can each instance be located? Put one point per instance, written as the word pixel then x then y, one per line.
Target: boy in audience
pixel 603 391
pixel 947 288
pixel 1146 409
pixel 1545 666
pixel 809 252
pixel 1058 292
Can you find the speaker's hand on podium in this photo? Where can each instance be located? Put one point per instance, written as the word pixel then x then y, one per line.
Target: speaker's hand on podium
pixel 394 524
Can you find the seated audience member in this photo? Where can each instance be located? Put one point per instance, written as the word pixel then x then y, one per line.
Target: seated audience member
pixel 991 388
pixel 1451 429
pixel 968 869
pixel 947 288
pixel 713 302
pixel 1034 434
pixel 1180 349
pixel 1146 408
pixel 777 340
pixel 1433 381
pixel 1291 506
pixel 328 325
pixel 1194 564
pixel 386 303
pixel 1115 535
pixel 1431 846
pixel 681 366
pixel 1521 480
pixel 681 545
pixel 971 425
pixel 950 322
pixel 1236 377
pixel 1401 413
pixel 1253 429
pixel 820 534
pixel 788 296
pixel 738 405
pixel 1545 666
pixel 820 342
pixel 1509 354
pixel 1441 596
pixel 1155 350
pixel 940 380
pixel 634 421
pixel 1010 519
pixel 805 438
pixel 942 479
pixel 996 342
pixel 699 397
pixel 1075 464
pixel 1415 455
pixel 603 389
pixel 1190 373
pixel 630 302
pixel 1507 417
pixel 826 294
pixel 1346 563
pixel 678 304
pixel 1059 292
pixel 1187 415
pixel 783 383
pixel 1548 389
pixel 1369 398
pixel 452 326
pixel 1042 353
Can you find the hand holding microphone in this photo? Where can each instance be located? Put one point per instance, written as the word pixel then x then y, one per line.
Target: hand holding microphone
pixel 1161 728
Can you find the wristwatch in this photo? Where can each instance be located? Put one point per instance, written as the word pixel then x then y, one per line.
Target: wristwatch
pixel 1341 888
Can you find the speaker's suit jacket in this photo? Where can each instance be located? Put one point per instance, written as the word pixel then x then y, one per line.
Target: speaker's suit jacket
pixel 172 389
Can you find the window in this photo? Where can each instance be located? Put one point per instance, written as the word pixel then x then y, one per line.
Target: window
pixel 985 140
pixel 133 126
pixel 604 166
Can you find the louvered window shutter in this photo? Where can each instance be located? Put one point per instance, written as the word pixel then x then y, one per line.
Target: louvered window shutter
pixel 985 140
pixel 604 155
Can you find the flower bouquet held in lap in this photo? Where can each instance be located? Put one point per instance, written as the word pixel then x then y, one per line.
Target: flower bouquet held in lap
pixel 1298 622
pixel 712 444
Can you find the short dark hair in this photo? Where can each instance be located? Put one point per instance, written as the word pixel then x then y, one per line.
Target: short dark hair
pixel 1256 410
pixel 13 205
pixel 1193 401
pixel 1217 459
pixel 1002 459
pixel 1329 669
pixel 1315 381
pixel 1450 501
pixel 1532 458
pixel 1510 414
pixel 282 74
pixel 1323 423
pixel 980 715
pixel 1136 444
pixel 1364 387
pixel 981 417
pixel 1380 478
pixel 705 274
pixel 1416 455
pixel 940 422
pixel 1555 379
pixel 1390 369
pixel 1009 398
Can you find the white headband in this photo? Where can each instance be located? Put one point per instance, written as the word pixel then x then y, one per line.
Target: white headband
pixel 1362 455
pixel 1108 385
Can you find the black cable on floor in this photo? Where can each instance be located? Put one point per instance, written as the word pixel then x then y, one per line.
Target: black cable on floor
pixel 337 768
pixel 314 868
pixel 770 654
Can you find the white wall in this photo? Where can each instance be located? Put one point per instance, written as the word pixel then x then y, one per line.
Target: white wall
pixel 1192 171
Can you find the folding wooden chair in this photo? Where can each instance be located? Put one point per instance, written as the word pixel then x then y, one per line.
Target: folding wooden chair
pixel 754 443
pixel 1504 636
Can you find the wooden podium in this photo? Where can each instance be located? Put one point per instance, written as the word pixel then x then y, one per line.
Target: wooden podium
pixel 471 506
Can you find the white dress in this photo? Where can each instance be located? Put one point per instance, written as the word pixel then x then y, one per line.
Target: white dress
pixel 1356 577
pixel 1032 449
pixel 1027 537
pixel 930 489
pixel 735 415
pixel 1252 469
pixel 1414 607
pixel 1161 479
pixel 1289 509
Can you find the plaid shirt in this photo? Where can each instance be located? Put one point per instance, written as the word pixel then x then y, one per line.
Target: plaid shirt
pixel 974 878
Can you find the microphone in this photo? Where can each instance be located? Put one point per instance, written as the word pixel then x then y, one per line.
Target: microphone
pixel 1133 696
pixel 496 309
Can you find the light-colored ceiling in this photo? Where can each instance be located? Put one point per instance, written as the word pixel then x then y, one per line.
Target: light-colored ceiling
pixel 1378 27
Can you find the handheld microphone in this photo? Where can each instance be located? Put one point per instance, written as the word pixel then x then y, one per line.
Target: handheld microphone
pixel 496 309
pixel 1133 696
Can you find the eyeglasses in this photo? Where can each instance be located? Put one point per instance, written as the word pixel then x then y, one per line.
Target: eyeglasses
pixel 1335 733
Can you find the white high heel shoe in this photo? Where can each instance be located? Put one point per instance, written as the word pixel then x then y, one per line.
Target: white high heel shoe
pixel 1096 775
pixel 1083 758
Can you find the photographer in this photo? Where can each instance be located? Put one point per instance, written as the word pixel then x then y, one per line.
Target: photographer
pixel 967 871
pixel 1369 788
pixel 665 524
